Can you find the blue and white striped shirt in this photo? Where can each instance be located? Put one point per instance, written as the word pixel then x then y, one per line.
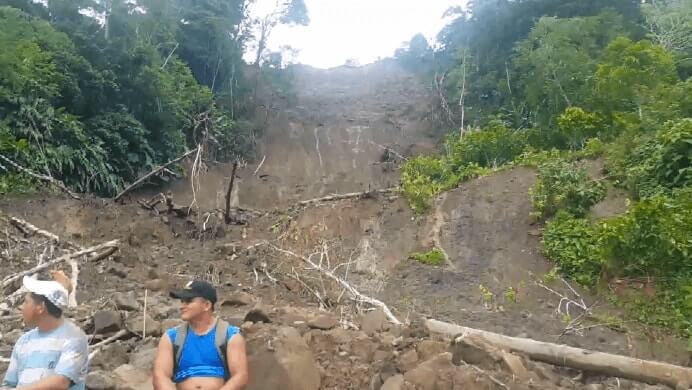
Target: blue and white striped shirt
pixel 62 351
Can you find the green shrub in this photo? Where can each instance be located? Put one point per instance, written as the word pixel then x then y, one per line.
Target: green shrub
pixel 666 308
pixel 564 185
pixel 576 126
pixel 493 146
pixel 432 257
pixel 651 164
pixel 573 244
pixel 424 177
pixel 652 238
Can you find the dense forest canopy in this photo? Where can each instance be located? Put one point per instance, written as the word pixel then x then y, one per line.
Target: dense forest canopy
pixel 96 92
pixel 548 83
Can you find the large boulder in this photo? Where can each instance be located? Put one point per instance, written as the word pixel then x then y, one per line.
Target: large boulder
pixel 136 325
pixel 126 301
pixel 433 374
pixel 144 358
pixel 99 380
pixel 128 377
pixel 395 382
pixel 239 298
pixel 324 322
pixel 287 365
pixel 106 321
pixel 110 356
pixel 373 322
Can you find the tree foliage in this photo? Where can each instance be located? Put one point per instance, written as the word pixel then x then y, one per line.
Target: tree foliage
pixel 572 80
pixel 95 93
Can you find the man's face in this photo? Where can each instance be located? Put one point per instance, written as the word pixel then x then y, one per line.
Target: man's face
pixel 193 308
pixel 31 310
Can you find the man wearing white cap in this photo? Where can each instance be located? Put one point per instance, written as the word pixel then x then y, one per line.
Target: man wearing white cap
pixel 53 355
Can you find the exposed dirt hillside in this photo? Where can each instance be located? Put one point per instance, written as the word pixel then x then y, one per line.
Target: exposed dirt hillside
pixel 306 331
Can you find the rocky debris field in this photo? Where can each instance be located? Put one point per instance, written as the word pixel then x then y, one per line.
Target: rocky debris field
pixel 294 341
pixel 301 349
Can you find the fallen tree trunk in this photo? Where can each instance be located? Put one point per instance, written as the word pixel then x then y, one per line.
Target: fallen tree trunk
pixel 109 247
pixel 152 173
pixel 28 229
pixel 45 178
pixel 582 359
pixel 352 195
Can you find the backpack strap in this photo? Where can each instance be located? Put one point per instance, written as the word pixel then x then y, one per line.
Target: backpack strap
pixel 178 343
pixel 221 342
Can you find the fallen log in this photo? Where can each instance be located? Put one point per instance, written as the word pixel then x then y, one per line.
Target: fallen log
pixel 581 359
pixel 28 230
pixel 152 173
pixel 351 195
pixel 109 247
pixel 45 178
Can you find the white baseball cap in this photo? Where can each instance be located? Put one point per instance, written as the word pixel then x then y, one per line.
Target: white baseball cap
pixel 52 290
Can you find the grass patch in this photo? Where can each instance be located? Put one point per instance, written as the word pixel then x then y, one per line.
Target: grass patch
pixel 434 257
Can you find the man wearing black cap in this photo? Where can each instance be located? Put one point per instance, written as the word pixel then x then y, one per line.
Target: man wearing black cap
pixel 204 353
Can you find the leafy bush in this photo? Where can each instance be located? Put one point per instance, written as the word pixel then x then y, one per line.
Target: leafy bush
pixel 573 244
pixel 576 126
pixel 648 165
pixel 565 186
pixel 432 257
pixel 492 146
pixel 666 308
pixel 423 178
pixel 652 238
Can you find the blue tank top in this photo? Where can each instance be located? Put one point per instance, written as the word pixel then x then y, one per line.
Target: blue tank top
pixel 200 358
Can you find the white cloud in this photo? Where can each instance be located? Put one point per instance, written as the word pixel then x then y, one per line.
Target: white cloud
pixel 360 29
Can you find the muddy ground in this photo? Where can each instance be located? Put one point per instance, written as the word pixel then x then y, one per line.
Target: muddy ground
pixel 330 141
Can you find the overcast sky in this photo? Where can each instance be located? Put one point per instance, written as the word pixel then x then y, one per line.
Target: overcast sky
pixel 360 29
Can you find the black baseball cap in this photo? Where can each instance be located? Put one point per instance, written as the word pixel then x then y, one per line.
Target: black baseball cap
pixel 195 289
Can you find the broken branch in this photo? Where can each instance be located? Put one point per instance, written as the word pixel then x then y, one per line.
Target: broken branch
pixel 260 165
pixel 109 247
pixel 46 178
pixel 352 195
pixel 355 293
pixel 152 173
pixel 96 347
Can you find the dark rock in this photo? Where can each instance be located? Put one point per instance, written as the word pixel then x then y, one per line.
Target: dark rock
pixel 126 301
pixel 110 356
pixel 136 325
pixel 474 351
pixel 237 299
pixel 257 315
pixel 107 321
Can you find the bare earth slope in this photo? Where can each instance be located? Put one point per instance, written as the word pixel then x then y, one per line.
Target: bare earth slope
pixel 319 336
